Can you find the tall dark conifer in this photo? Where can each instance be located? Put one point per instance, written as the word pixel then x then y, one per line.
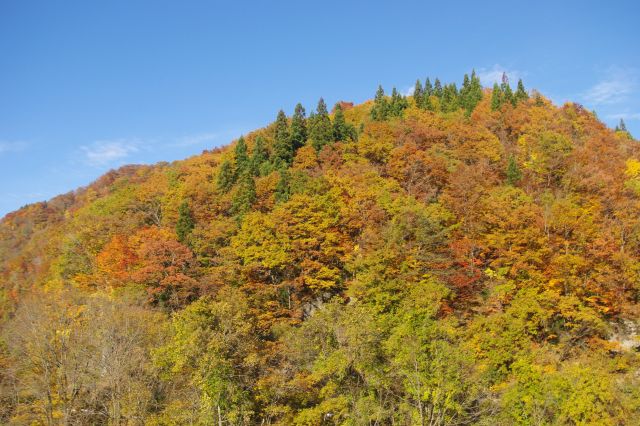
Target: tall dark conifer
pixel 259 155
pixel 298 128
pixel 245 195
pixel 398 103
pixel 473 94
pixel 496 97
pixel 185 223
pixel 380 109
pixel 283 150
pixel 513 172
pixel 226 177
pixel 507 93
pixel 521 94
pixel 242 156
pixel 466 83
pixel 283 188
pixel 418 94
pixel 428 87
pixel 341 130
pixel 449 101
pixel 621 126
pixel 437 88
pixel 428 92
pixel 321 132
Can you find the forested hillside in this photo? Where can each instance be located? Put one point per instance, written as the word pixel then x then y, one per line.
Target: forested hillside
pixel 460 256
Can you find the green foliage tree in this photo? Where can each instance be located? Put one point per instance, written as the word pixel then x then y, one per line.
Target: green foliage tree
pixel 513 171
pixel 450 100
pixel 418 94
pixel 380 109
pixel 259 156
pixel 298 127
pixel 342 131
pixel 245 195
pixel 437 89
pixel 471 93
pixel 428 88
pixel 321 132
pixel 226 177
pixel 283 188
pixel 521 94
pixel 507 93
pixel 283 147
pixel 436 375
pixel 398 104
pixel 210 354
pixel 243 162
pixel 185 223
pixel 496 97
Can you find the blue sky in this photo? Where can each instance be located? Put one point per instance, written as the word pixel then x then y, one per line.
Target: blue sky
pixel 86 86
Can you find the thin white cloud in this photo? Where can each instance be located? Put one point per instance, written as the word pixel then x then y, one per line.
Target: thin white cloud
pixel 197 139
pixel 489 76
pixel 614 88
pixel 27 195
pixel 627 116
pixel 102 153
pixel 12 146
pixel 408 91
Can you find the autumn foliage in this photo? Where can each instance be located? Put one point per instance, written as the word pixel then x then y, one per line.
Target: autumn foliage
pixel 462 256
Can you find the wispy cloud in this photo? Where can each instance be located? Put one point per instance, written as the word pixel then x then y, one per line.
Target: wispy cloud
pixel 408 91
pixel 615 87
pixel 628 116
pixel 27 195
pixel 102 153
pixel 12 146
pixel 197 139
pixel 112 152
pixel 488 76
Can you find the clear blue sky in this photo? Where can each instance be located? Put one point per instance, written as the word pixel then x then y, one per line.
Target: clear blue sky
pixel 86 86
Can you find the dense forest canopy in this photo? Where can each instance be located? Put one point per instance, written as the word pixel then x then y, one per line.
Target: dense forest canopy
pixel 465 255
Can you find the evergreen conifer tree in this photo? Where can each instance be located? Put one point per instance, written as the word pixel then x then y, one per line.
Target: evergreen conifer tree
pixel 242 156
pixel 428 88
pixel 513 172
pixel 298 128
pixel 496 97
pixel 622 127
pixel 449 102
pixel 341 129
pixel 464 90
pixel 283 189
pixel 259 155
pixel 437 89
pixel 521 94
pixel 283 150
pixel 321 132
pixel 507 93
pixel 474 93
pixel 185 223
pixel 245 195
pixel 418 94
pixel 428 92
pixel 226 177
pixel 380 109
pixel 398 103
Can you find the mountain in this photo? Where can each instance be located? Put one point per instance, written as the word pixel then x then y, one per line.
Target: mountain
pixel 460 256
